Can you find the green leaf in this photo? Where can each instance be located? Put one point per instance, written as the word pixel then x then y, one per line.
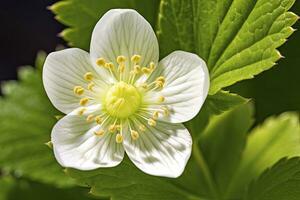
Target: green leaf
pixel 223 141
pixel 280 182
pixel 238 39
pixel 277 138
pixel 14 189
pixel 214 105
pixel 26 121
pixel 126 182
pixel 82 16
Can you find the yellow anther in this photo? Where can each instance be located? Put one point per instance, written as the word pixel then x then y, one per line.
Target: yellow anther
pixel 109 65
pixel 90 118
pixel 142 128
pixel 152 66
pixel 90 86
pixel 121 59
pixel 134 135
pixel 119 138
pixel 78 90
pixel 88 76
pixel 159 84
pixel 151 122
pixel 161 79
pixel 161 99
pixel 84 101
pixel 165 110
pixel 98 119
pixel 112 128
pixel 155 115
pixel 144 85
pixel 81 111
pixel 137 68
pixel 121 67
pixel 146 70
pixel 99 133
pixel 136 58
pixel 100 62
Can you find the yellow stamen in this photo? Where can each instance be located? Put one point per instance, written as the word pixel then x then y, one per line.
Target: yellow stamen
pixel 159 84
pixel 161 79
pixel 151 122
pixel 88 76
pixel 109 65
pixel 155 115
pixel 143 85
pixel 90 118
pixel 98 119
pixel 90 86
pixel 119 138
pixel 100 62
pixel 121 67
pixel 134 134
pixel 136 58
pixel 121 59
pixel 142 128
pixel 81 111
pixel 78 90
pixel 99 133
pixel 165 110
pixel 146 70
pixel 137 69
pixel 112 128
pixel 152 66
pixel 84 101
pixel 161 99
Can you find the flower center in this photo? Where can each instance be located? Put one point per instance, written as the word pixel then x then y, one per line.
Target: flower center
pixel 122 100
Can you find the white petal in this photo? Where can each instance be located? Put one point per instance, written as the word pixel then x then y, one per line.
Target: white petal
pixel 186 87
pixel 62 71
pixel 76 146
pixel 162 150
pixel 124 32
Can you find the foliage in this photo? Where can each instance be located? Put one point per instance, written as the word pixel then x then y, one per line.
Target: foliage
pixel 238 40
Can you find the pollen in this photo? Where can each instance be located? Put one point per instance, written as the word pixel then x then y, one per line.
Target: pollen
pixel 155 115
pixel 78 90
pixel 99 133
pixel 81 111
pixel 151 122
pixel 121 59
pixel 146 70
pixel 112 128
pixel 137 69
pixel 100 62
pixel 134 135
pixel 165 110
pixel 109 65
pixel 88 76
pixel 90 86
pixel 84 101
pixel 142 128
pixel 119 138
pixel 152 66
pixel 159 84
pixel 161 99
pixel 121 67
pixel 98 119
pixel 135 58
pixel 90 118
pixel 161 79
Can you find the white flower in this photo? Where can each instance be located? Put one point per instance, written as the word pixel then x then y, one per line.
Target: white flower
pixel 119 98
